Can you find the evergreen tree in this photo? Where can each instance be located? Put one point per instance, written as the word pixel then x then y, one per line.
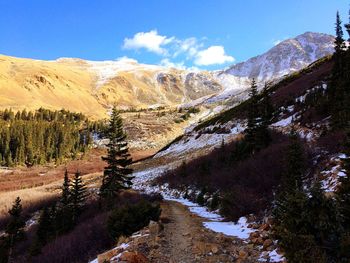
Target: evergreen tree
pixel 343 200
pixel 65 195
pixel 15 228
pixel 253 115
pixel 266 114
pixel 259 117
pixel 44 231
pixel 45 227
pixel 296 164
pixel 323 222
pixel 339 43
pixel 78 195
pixel 117 174
pixel 290 206
pixel 339 91
pixel 64 217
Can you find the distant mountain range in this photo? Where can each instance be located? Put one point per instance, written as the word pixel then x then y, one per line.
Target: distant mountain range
pixel 93 86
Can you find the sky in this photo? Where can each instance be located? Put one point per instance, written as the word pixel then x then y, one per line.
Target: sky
pixel 204 34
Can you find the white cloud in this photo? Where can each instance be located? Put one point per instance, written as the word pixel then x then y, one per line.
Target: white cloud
pixel 211 56
pixel 168 64
pixel 189 46
pixel 191 49
pixel 151 41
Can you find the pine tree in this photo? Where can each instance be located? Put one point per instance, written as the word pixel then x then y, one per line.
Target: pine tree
pixel 323 222
pixel 338 91
pixel 290 206
pixel 253 115
pixel 296 164
pixel 339 40
pixel 266 114
pixel 259 117
pixel 44 231
pixel 343 200
pixel 65 195
pixel 64 217
pixel 78 195
pixel 117 174
pixel 45 227
pixel 15 228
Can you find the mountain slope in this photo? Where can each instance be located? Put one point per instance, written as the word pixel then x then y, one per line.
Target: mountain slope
pixel 286 57
pixel 92 87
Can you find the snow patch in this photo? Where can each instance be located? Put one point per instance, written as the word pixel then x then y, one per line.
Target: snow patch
pixel 272 255
pixel 239 229
pixel 284 122
pixel 195 141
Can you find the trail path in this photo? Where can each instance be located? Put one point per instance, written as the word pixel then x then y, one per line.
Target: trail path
pixel 185 240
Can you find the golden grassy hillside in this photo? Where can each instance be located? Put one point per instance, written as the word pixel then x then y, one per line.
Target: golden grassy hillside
pixel 92 87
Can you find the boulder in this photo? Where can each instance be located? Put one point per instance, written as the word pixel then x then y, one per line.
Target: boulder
pixel 133 257
pixel 267 243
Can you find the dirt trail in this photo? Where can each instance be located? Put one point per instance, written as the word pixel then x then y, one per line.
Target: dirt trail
pixel 185 240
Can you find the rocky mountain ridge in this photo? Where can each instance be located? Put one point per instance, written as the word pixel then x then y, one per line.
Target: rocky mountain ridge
pixel 93 86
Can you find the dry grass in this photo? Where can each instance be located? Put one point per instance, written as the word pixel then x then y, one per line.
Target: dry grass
pixel 27 178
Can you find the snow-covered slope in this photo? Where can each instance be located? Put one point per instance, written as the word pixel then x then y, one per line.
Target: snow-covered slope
pixel 286 57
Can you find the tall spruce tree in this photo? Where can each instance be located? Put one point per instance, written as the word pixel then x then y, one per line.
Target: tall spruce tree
pixel 343 200
pixel 290 206
pixel 323 222
pixel 64 218
pixel 253 116
pixel 78 195
pixel 338 91
pixel 296 164
pixel 266 114
pixel 15 228
pixel 259 117
pixel 44 231
pixel 117 174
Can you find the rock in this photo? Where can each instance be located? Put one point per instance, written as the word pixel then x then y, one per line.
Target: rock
pixel 254 234
pixel 214 249
pixel 264 227
pixel 255 225
pixel 270 248
pixel 267 243
pixel 260 241
pixel 242 254
pixel 154 228
pixel 133 257
pixel 254 240
pixel 106 256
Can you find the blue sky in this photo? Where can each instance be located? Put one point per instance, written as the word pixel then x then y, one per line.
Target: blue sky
pixel 192 33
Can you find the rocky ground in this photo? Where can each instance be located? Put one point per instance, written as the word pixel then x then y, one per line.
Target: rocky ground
pixel 180 237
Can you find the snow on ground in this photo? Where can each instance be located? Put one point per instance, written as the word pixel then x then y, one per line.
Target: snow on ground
pixel 272 255
pixel 194 141
pixel 142 182
pixel 106 70
pixel 331 176
pixel 284 122
pixel 238 229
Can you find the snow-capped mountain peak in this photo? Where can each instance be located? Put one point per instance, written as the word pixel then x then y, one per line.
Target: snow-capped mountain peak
pixel 288 56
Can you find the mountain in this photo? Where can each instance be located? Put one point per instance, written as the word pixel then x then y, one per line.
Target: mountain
pixel 288 56
pixel 92 87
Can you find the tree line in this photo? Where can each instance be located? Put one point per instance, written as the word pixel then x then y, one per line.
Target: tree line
pixel 43 136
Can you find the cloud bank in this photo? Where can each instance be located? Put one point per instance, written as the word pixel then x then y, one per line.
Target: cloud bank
pixel 169 48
